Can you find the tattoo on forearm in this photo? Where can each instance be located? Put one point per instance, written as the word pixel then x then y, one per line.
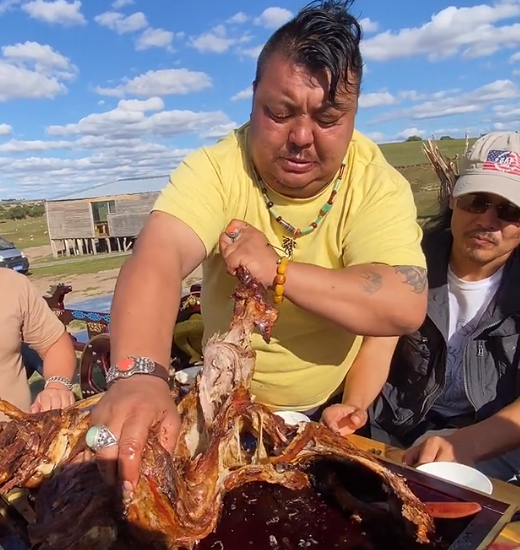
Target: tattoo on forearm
pixel 371 281
pixel 413 276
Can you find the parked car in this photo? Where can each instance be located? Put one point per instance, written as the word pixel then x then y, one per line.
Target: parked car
pixel 11 257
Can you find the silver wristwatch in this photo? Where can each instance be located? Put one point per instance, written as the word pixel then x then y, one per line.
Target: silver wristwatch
pixel 136 365
pixel 59 380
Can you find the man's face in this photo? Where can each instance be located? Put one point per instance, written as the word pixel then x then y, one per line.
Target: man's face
pixel 485 228
pixel 297 140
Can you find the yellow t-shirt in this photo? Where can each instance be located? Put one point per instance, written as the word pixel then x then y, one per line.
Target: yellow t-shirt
pixel 373 219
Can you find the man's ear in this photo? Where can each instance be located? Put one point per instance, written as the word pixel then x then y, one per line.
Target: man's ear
pixel 254 86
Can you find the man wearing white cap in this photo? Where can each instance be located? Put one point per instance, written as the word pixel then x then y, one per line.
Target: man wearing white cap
pixel 453 386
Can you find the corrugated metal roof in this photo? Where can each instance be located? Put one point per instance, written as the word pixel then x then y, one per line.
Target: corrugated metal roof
pixel 126 186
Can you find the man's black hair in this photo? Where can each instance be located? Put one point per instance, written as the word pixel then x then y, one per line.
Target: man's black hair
pixel 323 36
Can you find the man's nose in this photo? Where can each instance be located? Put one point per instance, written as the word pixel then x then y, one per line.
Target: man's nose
pixel 489 220
pixel 301 134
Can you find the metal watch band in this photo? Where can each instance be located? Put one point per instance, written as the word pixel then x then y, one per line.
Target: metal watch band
pixel 59 380
pixel 130 366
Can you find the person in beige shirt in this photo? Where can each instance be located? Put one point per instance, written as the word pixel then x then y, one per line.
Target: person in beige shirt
pixel 26 317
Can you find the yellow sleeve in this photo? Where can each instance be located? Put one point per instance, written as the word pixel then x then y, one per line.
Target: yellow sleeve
pixel 385 228
pixel 195 195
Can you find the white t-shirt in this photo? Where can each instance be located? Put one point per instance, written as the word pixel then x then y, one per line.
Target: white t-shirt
pixel 467 302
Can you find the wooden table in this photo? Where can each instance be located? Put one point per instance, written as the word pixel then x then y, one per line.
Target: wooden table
pixel 504 492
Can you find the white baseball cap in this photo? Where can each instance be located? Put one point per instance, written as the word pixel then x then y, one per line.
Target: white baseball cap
pixel 492 165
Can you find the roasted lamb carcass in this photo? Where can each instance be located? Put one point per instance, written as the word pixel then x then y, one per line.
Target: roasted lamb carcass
pixel 227 441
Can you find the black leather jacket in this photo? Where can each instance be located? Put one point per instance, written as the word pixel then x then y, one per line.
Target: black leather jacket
pixel 491 354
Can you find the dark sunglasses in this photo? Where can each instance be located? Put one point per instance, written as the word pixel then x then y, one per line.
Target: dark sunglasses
pixel 476 203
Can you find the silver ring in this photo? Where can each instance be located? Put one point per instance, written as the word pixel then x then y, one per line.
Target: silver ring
pixel 233 235
pixel 100 437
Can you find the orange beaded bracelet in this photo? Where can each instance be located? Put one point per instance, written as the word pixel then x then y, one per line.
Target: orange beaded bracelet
pixel 279 280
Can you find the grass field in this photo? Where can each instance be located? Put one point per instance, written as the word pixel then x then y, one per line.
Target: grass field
pixel 25 233
pixel 79 265
pixel 409 153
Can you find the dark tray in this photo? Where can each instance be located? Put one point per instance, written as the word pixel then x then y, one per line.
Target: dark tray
pixel 263 517
pixel 267 517
pixel 474 533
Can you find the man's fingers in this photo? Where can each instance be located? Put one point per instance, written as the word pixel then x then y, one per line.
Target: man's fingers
pixel 428 452
pixel 412 455
pixel 170 431
pixel 107 458
pixel 236 224
pixel 134 435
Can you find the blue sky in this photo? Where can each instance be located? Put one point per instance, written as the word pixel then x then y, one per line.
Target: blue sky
pixel 95 91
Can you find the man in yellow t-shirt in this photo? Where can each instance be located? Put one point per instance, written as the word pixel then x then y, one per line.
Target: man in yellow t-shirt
pixel 372 220
pixel 296 174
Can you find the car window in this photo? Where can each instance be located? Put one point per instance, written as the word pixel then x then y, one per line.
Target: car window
pixel 5 244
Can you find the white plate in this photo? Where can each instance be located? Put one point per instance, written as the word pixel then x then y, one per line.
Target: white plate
pixel 459 474
pixel 293 418
pixel 186 377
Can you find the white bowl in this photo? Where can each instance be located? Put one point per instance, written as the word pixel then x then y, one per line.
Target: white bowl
pixel 459 474
pixel 186 377
pixel 293 418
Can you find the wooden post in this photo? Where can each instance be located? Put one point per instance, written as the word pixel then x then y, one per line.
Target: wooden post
pixel 54 249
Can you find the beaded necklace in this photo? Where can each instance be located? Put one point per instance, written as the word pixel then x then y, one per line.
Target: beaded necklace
pixel 289 243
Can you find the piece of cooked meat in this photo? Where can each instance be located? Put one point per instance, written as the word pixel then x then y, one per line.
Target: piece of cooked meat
pixel 226 441
pixel 229 359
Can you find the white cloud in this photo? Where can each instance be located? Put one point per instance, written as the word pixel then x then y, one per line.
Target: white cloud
pixel 15 146
pixel 120 23
pixel 154 38
pixel 368 25
pixel 8 5
pixel 409 132
pixel 471 31
pixel 244 94
pixel 132 140
pixel 40 56
pixel 238 19
pixel 378 137
pixel 272 18
pixel 443 104
pixel 129 120
pixel 217 40
pixel 160 83
pixel 515 57
pixel 123 24
pixel 118 4
pixel 5 130
pixel 376 99
pixel 57 12
pixel 32 70
pixel 141 106
pixel 250 52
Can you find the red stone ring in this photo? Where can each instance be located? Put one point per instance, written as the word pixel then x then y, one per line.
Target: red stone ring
pixel 233 233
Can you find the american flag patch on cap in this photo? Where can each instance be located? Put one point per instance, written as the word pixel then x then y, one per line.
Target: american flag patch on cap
pixel 507 162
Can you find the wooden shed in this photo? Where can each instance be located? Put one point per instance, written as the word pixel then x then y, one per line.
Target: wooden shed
pixel 103 219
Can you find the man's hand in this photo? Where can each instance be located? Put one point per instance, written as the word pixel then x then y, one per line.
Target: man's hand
pixel 248 248
pixel 344 419
pixel 129 409
pixel 439 448
pixel 53 397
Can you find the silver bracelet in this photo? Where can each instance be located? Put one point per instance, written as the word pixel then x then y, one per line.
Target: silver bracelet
pixel 59 380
